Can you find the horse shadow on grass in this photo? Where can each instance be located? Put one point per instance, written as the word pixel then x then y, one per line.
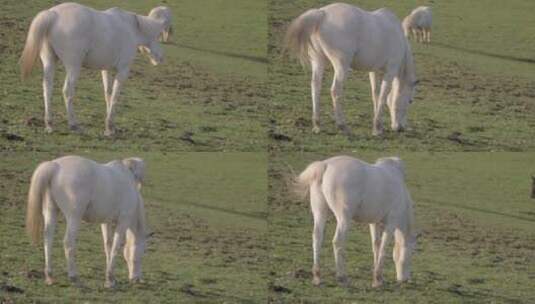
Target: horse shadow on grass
pixel 484 53
pixel 256 216
pixel 513 216
pixel 256 59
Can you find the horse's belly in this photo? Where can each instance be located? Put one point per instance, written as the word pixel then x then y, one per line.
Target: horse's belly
pixel 99 60
pixel 96 214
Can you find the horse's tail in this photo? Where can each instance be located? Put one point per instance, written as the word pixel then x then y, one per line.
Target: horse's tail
pixel 40 183
pixel 297 38
pixel 37 33
pixel 313 173
pixel 141 219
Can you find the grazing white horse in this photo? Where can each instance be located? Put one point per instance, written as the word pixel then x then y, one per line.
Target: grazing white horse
pixel 419 24
pixel 97 193
pixel 81 36
pixel 163 13
pixel 348 36
pixel 374 194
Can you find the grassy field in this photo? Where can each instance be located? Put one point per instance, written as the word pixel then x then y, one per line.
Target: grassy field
pixel 476 245
pixel 476 93
pixel 207 212
pixel 208 95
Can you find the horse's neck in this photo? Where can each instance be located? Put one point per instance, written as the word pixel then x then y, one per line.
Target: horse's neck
pixel 148 28
pixel 409 70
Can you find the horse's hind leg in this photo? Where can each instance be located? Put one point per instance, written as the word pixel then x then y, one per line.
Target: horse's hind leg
pixel 339 240
pixel 375 93
pixel 118 240
pixel 107 82
pixel 386 86
pixel 378 269
pixel 120 78
pixel 318 66
pixel 340 71
pixel 48 58
pixel 375 231
pixel 69 242
pixel 72 73
pixel 107 237
pixel 49 214
pixel 319 211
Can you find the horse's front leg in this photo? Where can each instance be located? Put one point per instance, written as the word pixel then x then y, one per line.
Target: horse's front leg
pixel 340 71
pixel 378 269
pixel 118 240
pixel 68 94
pixel 69 242
pixel 339 240
pixel 49 215
pixel 318 66
pixel 120 78
pixel 386 86
pixel 375 231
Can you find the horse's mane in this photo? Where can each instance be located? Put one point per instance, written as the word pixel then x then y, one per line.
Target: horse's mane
pixel 150 27
pixel 394 162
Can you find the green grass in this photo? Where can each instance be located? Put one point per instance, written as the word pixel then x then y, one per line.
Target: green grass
pixel 477 90
pixel 476 240
pixel 208 95
pixel 207 212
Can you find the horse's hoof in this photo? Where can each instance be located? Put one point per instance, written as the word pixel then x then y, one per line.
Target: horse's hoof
pixel 109 133
pixel 377 284
pixel 316 281
pixel 109 284
pixel 49 281
pixel 377 132
pixel 136 281
pixel 316 130
pixel 75 128
pixel 343 281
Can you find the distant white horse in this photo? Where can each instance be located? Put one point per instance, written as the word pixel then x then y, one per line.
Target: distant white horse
pixel 96 193
pixel 419 24
pixel 163 13
pixel 81 36
pixel 350 37
pixel 374 194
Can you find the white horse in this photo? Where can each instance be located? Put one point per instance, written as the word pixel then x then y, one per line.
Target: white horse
pixel 81 36
pixel 163 13
pixel 374 194
pixel 348 36
pixel 97 193
pixel 419 24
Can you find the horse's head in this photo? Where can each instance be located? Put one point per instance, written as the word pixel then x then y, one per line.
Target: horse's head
pixel 404 99
pixel 137 168
pixel 150 29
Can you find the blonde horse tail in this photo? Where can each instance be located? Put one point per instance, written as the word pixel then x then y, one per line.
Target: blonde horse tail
pixel 38 187
pixel 36 35
pixel 141 219
pixel 313 173
pixel 297 38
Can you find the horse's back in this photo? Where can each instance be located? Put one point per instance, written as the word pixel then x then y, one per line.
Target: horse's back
pixel 368 193
pixel 369 40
